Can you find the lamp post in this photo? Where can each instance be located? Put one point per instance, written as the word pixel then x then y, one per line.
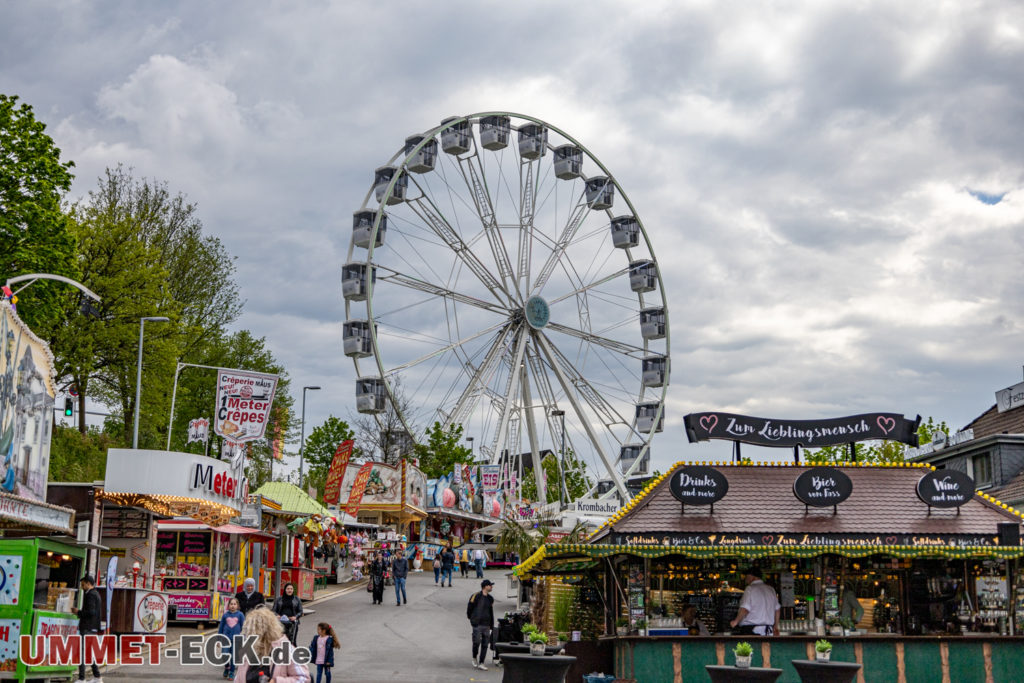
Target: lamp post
pixel 563 492
pixel 138 375
pixel 302 441
pixel 472 453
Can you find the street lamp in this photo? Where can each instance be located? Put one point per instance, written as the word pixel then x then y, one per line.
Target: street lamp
pixel 472 453
pixel 302 442
pixel 563 492
pixel 138 375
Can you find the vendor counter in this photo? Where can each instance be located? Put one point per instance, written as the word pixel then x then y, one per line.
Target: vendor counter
pixel 884 657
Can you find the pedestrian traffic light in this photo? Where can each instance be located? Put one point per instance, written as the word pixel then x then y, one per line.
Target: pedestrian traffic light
pixel 69 408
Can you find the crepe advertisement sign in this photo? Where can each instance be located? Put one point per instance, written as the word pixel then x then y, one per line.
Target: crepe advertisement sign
pixel 243 404
pixel 358 487
pixel 335 475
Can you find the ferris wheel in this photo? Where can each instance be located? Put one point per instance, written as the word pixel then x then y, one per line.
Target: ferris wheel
pixel 499 278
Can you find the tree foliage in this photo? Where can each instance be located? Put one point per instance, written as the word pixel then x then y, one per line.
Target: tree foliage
pixel 34 231
pixel 876 452
pixel 318 453
pixel 577 482
pixel 442 450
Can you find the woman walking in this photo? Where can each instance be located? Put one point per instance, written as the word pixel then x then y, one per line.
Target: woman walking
pixel 377 579
pixel 288 608
pixel 263 624
pixel 437 567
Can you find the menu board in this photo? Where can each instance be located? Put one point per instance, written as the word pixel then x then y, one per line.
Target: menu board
pixel 125 523
pixel 636 585
pixel 728 607
pixel 194 543
pixel 166 542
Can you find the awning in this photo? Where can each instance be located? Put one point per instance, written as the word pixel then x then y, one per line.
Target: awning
pixel 181 525
pixel 541 562
pixel 236 530
pixel 17 512
pixel 461 514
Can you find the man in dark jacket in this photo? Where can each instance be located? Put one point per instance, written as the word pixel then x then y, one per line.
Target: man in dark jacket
pixel 249 597
pixel 89 621
pixel 480 612
pixel 447 564
pixel 400 570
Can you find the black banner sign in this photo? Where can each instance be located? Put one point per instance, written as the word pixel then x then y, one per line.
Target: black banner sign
pixel 697 485
pixel 822 487
pixel 762 431
pixel 945 488
pixel 797 540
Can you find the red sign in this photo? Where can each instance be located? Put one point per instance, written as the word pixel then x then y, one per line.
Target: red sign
pixel 335 475
pixel 355 497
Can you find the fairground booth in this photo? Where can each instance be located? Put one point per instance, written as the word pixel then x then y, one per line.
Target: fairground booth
pixel 904 568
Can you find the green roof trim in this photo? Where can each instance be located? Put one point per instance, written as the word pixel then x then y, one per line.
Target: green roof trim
pixel 292 498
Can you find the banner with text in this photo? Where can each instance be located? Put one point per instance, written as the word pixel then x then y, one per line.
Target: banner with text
pixel 336 473
pixel 198 430
pixel 796 540
pixel 358 487
pixel 243 404
pixel 490 478
pixel 761 431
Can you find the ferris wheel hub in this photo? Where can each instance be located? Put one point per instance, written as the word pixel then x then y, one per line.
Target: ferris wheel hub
pixel 537 312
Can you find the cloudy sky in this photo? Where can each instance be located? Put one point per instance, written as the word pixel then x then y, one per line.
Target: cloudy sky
pixel 837 186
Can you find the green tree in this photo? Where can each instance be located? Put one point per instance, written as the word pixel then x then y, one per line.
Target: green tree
pixel 34 230
pixel 577 482
pixel 876 452
pixel 443 449
pixel 79 457
pixel 321 444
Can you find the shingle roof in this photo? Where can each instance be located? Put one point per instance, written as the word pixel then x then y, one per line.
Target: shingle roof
pixel 993 422
pixel 761 499
pixel 1012 491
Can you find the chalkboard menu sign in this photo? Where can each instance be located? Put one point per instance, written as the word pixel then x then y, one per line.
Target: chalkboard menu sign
pixel 697 485
pixel 124 523
pixel 822 487
pixel 194 542
pixel 945 488
pixel 636 588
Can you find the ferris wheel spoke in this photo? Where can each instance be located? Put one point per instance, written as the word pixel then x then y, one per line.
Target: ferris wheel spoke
pixel 527 209
pixel 531 433
pixel 414 283
pixel 429 214
pixel 597 283
pixel 449 347
pixel 575 221
pixel 476 183
pixel 584 420
pixel 511 392
pixel 610 344
pixel 479 378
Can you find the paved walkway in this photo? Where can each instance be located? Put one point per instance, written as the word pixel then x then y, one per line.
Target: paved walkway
pixel 427 640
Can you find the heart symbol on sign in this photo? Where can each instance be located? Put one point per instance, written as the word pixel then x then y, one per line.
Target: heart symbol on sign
pixel 886 424
pixel 891 540
pixel 709 422
pixel 767 539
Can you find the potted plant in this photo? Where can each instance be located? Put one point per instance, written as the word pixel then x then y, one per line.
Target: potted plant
pixel 526 630
pixel 835 626
pixel 848 625
pixel 641 627
pixel 563 638
pixel 743 652
pixel 538 642
pixel 621 626
pixel 823 650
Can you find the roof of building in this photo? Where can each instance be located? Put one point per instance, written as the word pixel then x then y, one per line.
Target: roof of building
pixel 292 498
pixel 760 499
pixel 993 422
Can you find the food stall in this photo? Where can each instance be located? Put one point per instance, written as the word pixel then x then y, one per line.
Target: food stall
pixel 933 565
pixel 143 485
pixel 388 496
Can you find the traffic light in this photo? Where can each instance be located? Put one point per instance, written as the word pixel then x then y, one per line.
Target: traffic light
pixel 69 408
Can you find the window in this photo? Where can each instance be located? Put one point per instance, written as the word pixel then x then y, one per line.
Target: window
pixel 981 466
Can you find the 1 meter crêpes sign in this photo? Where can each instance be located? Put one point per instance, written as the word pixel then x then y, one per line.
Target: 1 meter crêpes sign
pixel 243 404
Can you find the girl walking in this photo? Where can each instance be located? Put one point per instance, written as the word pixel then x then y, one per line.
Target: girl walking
pixel 231 626
pixel 322 648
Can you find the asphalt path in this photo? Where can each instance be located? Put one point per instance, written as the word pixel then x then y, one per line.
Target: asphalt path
pixel 426 640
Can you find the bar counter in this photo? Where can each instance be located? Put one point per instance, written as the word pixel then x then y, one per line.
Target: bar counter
pixel 985 658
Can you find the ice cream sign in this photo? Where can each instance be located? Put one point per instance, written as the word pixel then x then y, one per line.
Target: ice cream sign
pixel 243 404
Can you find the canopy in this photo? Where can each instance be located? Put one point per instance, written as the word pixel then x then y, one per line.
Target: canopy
pixel 292 499
pixel 236 530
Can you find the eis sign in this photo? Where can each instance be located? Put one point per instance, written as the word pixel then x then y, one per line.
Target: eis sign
pixel 222 484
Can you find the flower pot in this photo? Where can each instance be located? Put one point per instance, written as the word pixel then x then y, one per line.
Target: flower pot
pixel 743 662
pixel 823 656
pixel 537 649
pixel 621 630
pixel 835 631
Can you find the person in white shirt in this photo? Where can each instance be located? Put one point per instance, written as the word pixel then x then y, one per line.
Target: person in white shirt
pixel 478 560
pixel 759 608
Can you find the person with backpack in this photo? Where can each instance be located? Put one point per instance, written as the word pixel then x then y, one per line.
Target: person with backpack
pixel 480 612
pixel 447 564
pixel 437 567
pixel 270 637
pixel 288 608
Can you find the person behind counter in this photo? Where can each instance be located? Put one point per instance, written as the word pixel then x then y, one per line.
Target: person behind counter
pixel 249 597
pixel 695 625
pixel 759 608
